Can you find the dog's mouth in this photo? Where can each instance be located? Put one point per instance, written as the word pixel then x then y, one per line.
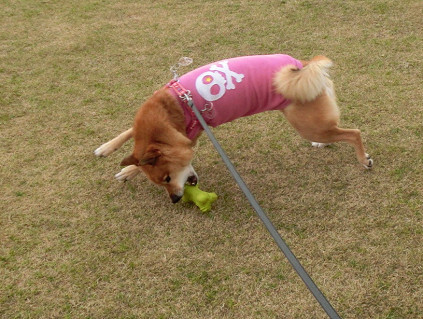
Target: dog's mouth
pixel 192 180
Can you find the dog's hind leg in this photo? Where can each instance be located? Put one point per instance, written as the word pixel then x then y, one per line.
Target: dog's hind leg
pixel 108 148
pixel 351 136
pixel 318 120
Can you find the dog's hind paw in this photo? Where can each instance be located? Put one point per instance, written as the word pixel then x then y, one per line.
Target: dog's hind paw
pixel 369 162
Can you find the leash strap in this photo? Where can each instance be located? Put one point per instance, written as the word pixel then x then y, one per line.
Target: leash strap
pixel 330 311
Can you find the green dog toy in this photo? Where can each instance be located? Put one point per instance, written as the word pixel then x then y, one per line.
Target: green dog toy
pixel 200 198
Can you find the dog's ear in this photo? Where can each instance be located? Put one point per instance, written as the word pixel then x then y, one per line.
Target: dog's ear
pixel 129 160
pixel 150 157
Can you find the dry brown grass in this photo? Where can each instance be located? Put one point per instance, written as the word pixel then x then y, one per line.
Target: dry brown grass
pixel 77 244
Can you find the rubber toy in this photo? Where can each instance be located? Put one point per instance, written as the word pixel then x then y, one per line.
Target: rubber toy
pixel 202 199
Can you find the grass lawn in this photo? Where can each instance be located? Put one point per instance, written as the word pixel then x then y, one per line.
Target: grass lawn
pixel 76 243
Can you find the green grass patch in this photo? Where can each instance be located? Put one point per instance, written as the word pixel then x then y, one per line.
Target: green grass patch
pixel 75 243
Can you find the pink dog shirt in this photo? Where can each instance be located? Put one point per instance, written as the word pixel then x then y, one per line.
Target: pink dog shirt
pixel 226 90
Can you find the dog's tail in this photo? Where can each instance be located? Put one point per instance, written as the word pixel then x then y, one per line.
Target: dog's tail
pixel 304 85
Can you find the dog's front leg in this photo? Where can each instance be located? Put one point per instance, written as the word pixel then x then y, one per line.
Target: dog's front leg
pixel 319 145
pixel 127 173
pixel 108 148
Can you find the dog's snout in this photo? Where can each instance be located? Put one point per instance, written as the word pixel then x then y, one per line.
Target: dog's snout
pixel 192 180
pixel 175 198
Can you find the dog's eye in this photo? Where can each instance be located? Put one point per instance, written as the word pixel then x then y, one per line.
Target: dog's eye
pixel 167 179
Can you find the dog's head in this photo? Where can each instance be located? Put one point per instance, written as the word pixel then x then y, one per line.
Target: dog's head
pixel 162 152
pixel 166 164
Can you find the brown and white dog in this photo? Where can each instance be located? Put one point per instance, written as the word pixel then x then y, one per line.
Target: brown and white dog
pixel 165 130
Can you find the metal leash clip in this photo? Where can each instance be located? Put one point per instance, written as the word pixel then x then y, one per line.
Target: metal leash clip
pixel 208 111
pixel 186 96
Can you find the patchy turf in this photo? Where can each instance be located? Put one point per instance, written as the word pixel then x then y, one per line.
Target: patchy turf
pixel 75 243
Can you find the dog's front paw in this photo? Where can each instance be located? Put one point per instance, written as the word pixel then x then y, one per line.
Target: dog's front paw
pixel 104 150
pixel 369 162
pixel 127 173
pixel 319 145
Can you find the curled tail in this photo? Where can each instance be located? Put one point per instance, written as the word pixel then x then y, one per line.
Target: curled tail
pixel 304 85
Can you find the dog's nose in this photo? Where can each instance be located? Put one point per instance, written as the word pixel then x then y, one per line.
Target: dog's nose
pixel 175 198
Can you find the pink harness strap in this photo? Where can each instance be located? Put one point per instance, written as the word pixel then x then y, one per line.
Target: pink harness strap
pixel 191 120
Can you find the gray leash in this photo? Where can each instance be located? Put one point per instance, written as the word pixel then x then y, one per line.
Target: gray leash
pixel 278 239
